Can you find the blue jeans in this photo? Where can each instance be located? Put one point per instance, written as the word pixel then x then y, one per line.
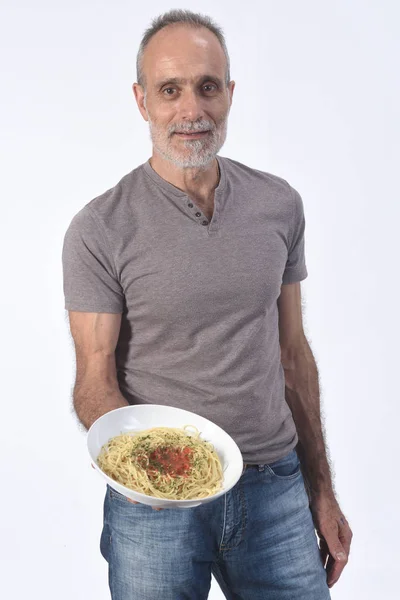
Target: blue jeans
pixel 258 541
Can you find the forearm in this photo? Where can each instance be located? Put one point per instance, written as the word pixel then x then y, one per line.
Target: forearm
pixel 95 394
pixel 303 397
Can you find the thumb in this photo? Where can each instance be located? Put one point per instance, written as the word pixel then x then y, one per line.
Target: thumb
pixel 336 550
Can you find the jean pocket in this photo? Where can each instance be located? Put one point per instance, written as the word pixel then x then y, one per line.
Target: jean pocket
pixel 287 467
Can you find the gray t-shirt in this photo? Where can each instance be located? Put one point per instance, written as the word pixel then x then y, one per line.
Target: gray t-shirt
pixel 198 299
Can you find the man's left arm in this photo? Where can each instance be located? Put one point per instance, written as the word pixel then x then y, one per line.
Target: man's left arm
pixel 303 398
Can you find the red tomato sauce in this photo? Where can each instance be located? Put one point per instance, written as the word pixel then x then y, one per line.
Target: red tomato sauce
pixel 170 461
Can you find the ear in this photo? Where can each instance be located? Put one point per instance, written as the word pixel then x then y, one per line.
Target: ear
pixel 138 92
pixel 231 87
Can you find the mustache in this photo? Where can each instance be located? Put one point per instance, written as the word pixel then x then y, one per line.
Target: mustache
pixel 192 129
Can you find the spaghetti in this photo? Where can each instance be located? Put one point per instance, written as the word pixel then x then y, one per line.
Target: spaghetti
pixel 164 462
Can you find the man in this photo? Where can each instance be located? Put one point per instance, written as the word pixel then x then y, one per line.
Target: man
pixel 183 288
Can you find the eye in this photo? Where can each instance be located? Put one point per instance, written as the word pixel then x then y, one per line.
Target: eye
pixel 212 87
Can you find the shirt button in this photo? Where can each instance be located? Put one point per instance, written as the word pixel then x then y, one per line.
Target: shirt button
pixel 190 205
pixel 204 223
pixel 198 214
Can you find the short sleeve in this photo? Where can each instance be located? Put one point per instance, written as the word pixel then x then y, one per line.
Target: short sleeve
pixel 89 275
pixel 296 269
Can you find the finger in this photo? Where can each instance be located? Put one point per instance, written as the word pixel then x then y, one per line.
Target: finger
pixel 330 578
pixel 135 502
pixel 345 536
pixel 334 571
pixel 334 568
pixel 336 548
pixel 338 556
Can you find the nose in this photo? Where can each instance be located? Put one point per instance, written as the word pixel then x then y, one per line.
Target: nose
pixel 191 106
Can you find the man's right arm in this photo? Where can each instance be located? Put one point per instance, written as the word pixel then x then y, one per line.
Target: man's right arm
pixel 96 390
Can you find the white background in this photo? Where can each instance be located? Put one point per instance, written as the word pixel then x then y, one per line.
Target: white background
pixel 315 102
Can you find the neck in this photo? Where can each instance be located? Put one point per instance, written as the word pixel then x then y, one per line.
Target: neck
pixel 197 182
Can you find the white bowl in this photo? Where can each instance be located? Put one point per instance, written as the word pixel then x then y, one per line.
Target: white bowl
pixel 143 416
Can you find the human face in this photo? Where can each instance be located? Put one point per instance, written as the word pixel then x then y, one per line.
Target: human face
pixel 185 92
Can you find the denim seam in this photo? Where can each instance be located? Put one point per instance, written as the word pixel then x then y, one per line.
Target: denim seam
pixel 223 526
pixel 244 521
pixel 283 477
